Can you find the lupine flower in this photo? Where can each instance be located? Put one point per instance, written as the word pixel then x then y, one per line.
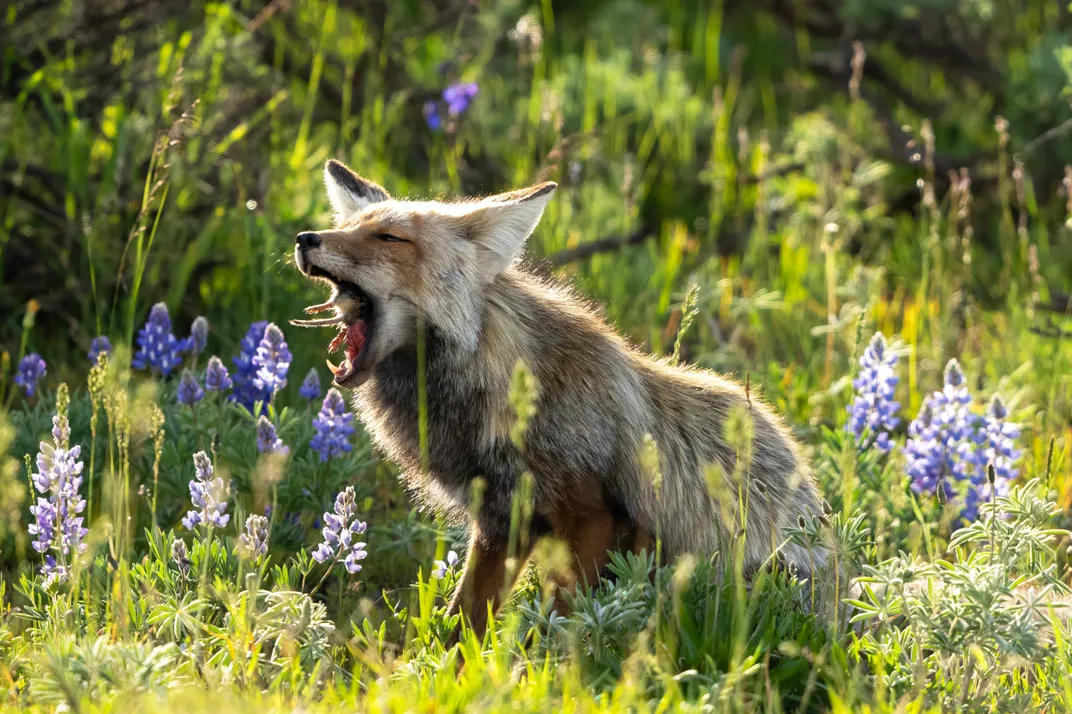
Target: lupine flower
pixel 943 423
pixel 31 369
pixel 459 96
pixel 57 524
pixel 442 567
pixel 340 529
pixel 198 335
pixel 994 442
pixel 873 410
pixel 310 386
pixel 158 348
pixel 208 495
pixel 432 116
pixel 268 442
pixel 178 554
pixel 272 361
pixel 98 345
pixel 216 377
pixel 246 392
pixel 254 542
pixel 333 427
pixel 190 392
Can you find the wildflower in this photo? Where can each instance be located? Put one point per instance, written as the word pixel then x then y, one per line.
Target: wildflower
pixel 432 116
pixel 190 392
pixel 158 348
pixel 993 443
pixel 254 542
pixel 340 527
pixel 216 377
pixel 31 369
pixel 459 96
pixel 272 361
pixel 208 496
pixel 442 567
pixel 310 386
pixel 873 410
pixel 333 427
pixel 268 442
pixel 178 554
pixel 198 336
pixel 57 524
pixel 98 345
pixel 246 392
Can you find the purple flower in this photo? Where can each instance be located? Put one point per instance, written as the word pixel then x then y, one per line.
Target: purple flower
pixel 340 528
pixel 432 116
pixel 216 377
pixel 179 555
pixel 158 348
pixel 57 524
pixel 443 567
pixel 208 495
pixel 190 392
pixel 272 361
pixel 198 335
pixel 98 345
pixel 44 524
pixel 254 542
pixel 310 386
pixel 268 442
pixel 246 392
pixel 31 369
pixel 459 96
pixel 333 427
pixel 873 413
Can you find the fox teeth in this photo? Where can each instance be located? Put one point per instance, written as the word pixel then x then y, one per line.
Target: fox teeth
pixel 312 309
pixel 323 322
pixel 333 368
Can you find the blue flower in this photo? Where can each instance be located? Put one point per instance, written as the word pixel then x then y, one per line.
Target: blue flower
pixel 57 524
pixel 340 528
pixel 198 336
pixel 459 96
pixel 190 392
pixel 31 369
pixel 97 346
pixel 272 361
pixel 873 413
pixel 333 425
pixel 432 116
pixel 268 442
pixel 310 386
pixel 254 542
pixel 246 392
pixel 216 377
pixel 158 348
pixel 208 495
pixel 443 567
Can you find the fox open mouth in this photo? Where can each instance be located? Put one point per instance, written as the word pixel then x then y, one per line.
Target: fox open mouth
pixel 355 318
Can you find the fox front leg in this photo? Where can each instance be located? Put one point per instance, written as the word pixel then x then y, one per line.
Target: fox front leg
pixel 485 579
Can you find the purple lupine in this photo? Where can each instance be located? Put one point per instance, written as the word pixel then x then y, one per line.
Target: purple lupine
pixel 31 369
pixel 459 96
pixel 442 567
pixel 272 361
pixel 254 541
pixel 158 348
pixel 994 442
pixel 873 413
pixel 943 423
pixel 340 528
pixel 216 377
pixel 198 336
pixel 333 425
pixel 432 116
pixel 180 557
pixel 57 524
pixel 208 495
pixel 268 442
pixel 189 392
pixel 310 386
pixel 246 392
pixel 97 346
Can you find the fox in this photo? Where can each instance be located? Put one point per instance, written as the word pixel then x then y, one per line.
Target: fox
pixel 436 309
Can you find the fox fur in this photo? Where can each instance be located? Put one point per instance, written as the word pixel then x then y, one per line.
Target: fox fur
pixel 449 272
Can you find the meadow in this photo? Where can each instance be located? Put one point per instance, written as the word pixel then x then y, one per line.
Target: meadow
pixel 861 210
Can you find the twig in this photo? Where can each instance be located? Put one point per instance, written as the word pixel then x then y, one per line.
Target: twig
pixel 601 245
pixel 1059 302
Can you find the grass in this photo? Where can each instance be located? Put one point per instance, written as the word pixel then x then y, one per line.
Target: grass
pixel 771 241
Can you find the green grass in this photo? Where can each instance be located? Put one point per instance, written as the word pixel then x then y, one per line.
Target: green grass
pixel 777 227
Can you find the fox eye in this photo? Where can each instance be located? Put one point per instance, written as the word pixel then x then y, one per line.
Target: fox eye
pixel 388 238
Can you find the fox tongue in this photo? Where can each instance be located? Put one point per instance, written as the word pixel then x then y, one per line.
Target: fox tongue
pixel 354 336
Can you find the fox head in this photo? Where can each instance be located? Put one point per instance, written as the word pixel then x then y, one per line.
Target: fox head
pixel 391 260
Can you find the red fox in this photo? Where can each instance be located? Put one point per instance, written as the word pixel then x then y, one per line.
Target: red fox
pixel 448 271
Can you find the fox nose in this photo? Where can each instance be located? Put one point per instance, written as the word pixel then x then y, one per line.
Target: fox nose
pixel 308 240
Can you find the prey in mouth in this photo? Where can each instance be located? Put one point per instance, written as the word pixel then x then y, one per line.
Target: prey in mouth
pixel 354 318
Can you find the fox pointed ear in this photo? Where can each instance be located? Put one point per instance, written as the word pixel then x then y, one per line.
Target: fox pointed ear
pixel 499 225
pixel 348 192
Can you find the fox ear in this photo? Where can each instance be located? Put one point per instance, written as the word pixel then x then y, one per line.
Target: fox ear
pixel 348 192
pixel 499 225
